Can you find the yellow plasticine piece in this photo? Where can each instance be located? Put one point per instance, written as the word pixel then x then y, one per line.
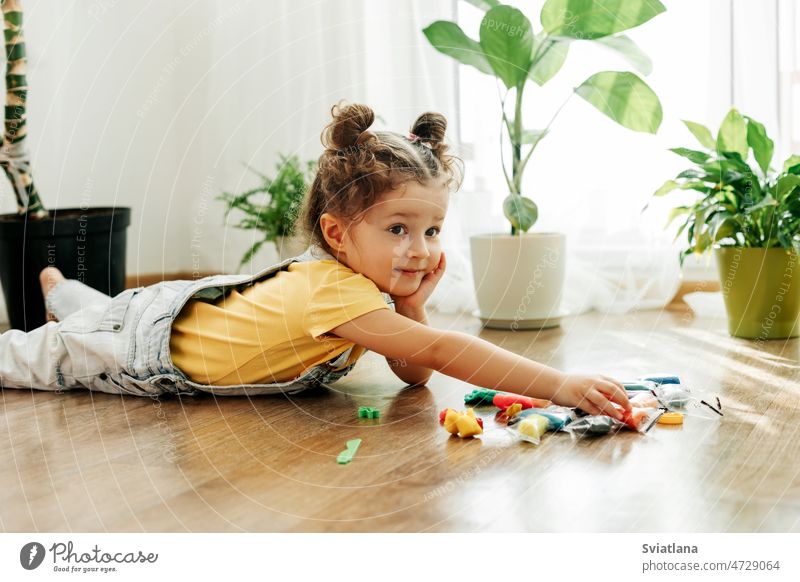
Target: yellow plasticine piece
pixel 514 409
pixel 533 426
pixel 451 421
pixel 468 425
pixel 671 418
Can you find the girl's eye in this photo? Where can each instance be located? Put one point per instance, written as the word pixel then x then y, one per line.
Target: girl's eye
pixel 392 229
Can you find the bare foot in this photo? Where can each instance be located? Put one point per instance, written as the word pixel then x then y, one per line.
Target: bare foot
pixel 49 278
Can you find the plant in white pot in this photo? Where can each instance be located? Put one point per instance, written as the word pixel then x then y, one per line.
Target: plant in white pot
pixel 519 276
pixel 750 215
pixel 276 215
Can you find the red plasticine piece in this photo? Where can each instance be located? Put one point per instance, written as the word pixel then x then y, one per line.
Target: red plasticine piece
pixel 635 417
pixel 503 401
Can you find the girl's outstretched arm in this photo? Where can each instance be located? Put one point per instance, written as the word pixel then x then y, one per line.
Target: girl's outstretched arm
pixel 479 362
pixel 408 372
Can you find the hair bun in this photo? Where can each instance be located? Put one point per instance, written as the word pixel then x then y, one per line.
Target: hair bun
pixel 430 127
pixel 349 126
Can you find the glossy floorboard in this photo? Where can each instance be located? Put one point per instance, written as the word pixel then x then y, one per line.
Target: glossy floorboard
pixel 95 462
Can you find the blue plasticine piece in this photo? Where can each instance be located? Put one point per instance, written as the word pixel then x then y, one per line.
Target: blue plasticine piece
pixel 641 386
pixel 662 379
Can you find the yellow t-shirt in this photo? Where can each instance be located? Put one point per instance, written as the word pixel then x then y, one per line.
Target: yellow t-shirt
pixel 275 329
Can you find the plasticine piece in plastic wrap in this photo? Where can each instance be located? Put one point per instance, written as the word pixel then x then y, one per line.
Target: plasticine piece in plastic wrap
pixel 673 395
pixel 644 400
pixel 637 419
pixel 639 386
pixel 557 416
pixel 593 425
pixel 531 428
pixel 662 379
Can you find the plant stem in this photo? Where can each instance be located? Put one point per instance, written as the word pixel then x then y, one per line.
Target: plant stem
pixel 516 140
pixel 546 129
pixel 502 157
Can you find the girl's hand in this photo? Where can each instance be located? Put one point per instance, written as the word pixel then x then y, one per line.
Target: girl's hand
pixel 417 300
pixel 593 394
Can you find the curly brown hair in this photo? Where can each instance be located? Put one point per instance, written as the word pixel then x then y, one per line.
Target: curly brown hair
pixel 358 166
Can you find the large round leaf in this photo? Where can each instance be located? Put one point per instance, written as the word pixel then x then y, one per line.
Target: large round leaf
pixel 507 42
pixel 591 19
pixel 448 38
pixel 548 56
pixel 625 98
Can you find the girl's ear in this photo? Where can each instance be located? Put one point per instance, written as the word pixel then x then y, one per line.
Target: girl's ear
pixel 332 230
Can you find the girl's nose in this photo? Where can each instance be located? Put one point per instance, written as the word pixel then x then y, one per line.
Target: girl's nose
pixel 418 248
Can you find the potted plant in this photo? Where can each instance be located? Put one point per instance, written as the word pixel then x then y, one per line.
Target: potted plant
pixel 750 215
pixel 275 217
pixel 85 243
pixel 519 277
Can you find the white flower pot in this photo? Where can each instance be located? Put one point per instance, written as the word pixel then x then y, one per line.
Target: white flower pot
pixel 519 279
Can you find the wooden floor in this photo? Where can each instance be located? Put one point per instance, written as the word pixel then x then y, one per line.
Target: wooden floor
pixel 96 462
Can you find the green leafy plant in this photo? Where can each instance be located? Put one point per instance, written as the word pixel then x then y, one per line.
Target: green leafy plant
pixel 510 50
pixel 737 204
pixel 276 216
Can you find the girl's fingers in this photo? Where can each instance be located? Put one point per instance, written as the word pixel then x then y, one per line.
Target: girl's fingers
pixel 615 393
pixel 603 404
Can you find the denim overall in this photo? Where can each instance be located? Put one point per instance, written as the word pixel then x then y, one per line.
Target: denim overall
pixel 120 344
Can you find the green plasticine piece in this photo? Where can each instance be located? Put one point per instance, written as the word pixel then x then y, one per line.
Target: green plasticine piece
pixel 347 455
pixel 479 396
pixel 368 412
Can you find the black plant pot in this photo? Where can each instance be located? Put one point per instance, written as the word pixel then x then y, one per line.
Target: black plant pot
pixel 87 244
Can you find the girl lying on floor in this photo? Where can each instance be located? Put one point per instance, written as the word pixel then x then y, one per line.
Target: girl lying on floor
pixel 373 216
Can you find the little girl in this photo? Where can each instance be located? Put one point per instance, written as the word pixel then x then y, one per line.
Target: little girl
pixel 373 217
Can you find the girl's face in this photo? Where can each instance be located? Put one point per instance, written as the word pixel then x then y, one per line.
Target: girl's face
pixel 397 243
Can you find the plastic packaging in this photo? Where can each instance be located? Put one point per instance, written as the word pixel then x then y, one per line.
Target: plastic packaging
pixel 593 425
pixel 644 400
pixel 639 386
pixel 638 419
pixel 531 428
pixel 558 416
pixel 673 395
pixel 661 379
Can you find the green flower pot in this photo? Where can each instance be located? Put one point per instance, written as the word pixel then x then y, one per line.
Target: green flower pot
pixel 761 288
